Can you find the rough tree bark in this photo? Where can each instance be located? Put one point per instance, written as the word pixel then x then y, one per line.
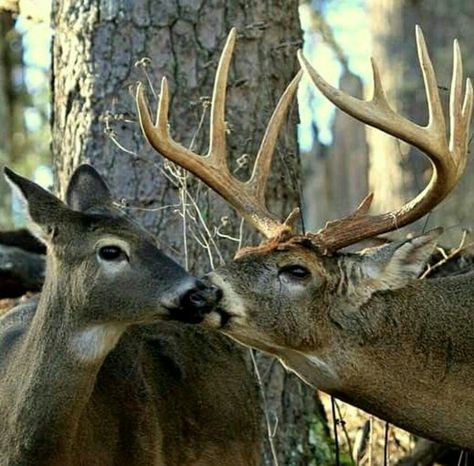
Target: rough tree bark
pixel 397 170
pixel 101 48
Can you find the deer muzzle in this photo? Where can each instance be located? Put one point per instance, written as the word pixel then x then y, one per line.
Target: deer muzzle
pixel 197 301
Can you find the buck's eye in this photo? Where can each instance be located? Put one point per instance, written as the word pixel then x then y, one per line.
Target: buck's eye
pixel 297 272
pixel 112 254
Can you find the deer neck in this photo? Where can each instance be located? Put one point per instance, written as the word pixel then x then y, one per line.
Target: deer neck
pixel 57 359
pixel 405 356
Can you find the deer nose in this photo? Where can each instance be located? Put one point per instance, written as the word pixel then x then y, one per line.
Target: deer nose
pixel 202 298
pixel 196 301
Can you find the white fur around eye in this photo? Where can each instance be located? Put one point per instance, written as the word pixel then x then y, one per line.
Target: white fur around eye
pixel 113 266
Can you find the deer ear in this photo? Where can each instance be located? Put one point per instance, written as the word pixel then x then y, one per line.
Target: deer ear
pixel 45 210
pixel 87 190
pixel 393 266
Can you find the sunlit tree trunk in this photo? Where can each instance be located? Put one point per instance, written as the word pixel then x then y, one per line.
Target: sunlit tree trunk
pixel 335 177
pixel 101 49
pixel 6 25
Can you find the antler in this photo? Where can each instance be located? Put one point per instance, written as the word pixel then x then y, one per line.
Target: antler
pixel 247 198
pixel 448 160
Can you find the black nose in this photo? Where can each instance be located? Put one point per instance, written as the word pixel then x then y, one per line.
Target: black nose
pixel 203 297
pixel 197 301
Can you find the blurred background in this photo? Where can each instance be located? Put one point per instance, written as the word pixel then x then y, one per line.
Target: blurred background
pixel 341 159
pixel 66 96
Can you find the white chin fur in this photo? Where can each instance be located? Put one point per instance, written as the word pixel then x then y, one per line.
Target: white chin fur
pixel 231 302
pixel 95 341
pixel 212 320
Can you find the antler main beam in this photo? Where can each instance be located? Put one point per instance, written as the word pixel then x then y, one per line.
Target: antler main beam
pixel 448 159
pixel 247 198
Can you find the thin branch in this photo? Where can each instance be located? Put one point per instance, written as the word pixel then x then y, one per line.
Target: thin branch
pixel 270 432
pixel 447 257
pixel 344 430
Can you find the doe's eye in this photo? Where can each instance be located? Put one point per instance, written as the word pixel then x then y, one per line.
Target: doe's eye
pixel 297 272
pixel 112 253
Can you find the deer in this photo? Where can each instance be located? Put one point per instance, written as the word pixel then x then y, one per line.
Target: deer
pixel 359 326
pixel 94 371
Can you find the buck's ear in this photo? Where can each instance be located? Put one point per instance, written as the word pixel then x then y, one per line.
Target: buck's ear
pixel 393 266
pixel 44 209
pixel 87 189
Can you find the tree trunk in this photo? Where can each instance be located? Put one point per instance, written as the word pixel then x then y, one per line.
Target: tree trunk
pixel 397 170
pixel 6 25
pixel 101 49
pixel 335 177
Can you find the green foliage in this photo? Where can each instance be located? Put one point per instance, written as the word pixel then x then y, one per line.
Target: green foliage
pixel 322 446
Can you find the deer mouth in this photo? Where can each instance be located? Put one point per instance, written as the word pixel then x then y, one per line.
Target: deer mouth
pixel 218 318
pixel 183 315
pixel 230 310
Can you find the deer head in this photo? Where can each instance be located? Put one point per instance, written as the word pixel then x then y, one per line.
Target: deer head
pixel 338 319
pixel 84 382
pixel 119 273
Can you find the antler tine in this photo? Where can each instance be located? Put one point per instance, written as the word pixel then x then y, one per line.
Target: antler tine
pixel 246 198
pixel 377 112
pixel 455 106
pixel 217 146
pixel 460 114
pixel 158 134
pixel 435 110
pixel 263 160
pixel 448 160
pixel 466 118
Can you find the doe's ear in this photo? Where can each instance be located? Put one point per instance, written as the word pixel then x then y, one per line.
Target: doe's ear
pixel 393 266
pixel 44 209
pixel 87 189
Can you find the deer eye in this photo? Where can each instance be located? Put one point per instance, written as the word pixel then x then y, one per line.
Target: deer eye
pixel 112 254
pixel 297 272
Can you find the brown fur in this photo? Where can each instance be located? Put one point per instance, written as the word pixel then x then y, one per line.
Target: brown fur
pixel 82 383
pixel 363 328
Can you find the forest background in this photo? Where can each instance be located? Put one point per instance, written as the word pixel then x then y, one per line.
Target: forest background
pixel 66 96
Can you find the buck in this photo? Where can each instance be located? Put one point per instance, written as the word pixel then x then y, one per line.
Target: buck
pixel 359 326
pixel 91 374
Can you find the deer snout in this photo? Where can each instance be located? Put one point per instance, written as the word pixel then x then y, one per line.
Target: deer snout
pixel 202 299
pixel 196 301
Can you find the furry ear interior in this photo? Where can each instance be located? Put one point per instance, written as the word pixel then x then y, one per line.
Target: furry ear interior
pixel 44 209
pixel 87 189
pixel 393 266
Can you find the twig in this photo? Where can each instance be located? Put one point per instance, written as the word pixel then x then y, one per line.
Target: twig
pixel 371 437
pixel 344 430
pixel 153 209
pixel 447 257
pixel 270 432
pixel 143 64
pixel 241 234
pixel 385 445
pixel 182 195
pixel 336 439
